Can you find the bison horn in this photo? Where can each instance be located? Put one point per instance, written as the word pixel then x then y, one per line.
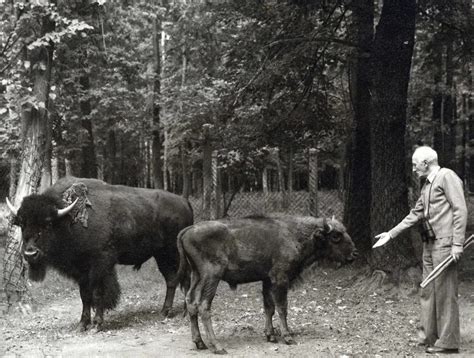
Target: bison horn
pixel 11 207
pixel 327 227
pixel 62 212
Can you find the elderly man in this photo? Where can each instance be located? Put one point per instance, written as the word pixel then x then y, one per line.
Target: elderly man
pixel 443 207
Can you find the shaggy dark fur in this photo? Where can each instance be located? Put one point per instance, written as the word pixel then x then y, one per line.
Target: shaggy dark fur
pixel 124 226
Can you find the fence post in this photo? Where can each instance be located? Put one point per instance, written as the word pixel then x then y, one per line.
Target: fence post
pixel 265 187
pixel 216 186
pixel 282 194
pixel 207 172
pixel 313 182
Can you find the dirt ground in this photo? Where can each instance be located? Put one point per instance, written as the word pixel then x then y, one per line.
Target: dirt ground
pixel 333 313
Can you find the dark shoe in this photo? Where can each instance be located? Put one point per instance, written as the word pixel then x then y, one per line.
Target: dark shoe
pixel 436 350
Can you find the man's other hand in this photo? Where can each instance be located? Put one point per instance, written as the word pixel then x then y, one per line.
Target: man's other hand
pixel 456 252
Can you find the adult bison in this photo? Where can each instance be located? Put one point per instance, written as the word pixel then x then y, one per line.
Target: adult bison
pixel 274 250
pixel 105 225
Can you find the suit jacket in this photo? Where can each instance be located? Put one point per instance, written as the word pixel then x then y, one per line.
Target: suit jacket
pixel 442 202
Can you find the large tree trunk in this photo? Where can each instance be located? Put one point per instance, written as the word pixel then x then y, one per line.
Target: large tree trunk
pixel 358 187
pixel 450 107
pixel 470 133
pixel 35 136
pixel 391 62
pixel 438 101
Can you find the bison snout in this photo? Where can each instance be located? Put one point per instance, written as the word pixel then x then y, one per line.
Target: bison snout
pixel 353 256
pixel 31 255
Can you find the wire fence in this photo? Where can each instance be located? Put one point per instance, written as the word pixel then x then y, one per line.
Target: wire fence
pixel 330 202
pixel 210 202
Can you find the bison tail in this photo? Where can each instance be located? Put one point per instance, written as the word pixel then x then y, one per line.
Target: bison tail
pixel 183 262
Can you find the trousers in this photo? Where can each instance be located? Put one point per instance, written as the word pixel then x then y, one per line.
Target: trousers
pixel 439 300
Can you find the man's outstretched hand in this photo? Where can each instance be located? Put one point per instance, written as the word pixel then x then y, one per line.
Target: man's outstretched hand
pixel 383 238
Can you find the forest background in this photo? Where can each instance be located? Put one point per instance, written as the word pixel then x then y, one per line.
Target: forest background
pixel 142 92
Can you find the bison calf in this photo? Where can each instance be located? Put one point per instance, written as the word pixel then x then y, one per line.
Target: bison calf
pixel 273 250
pixel 115 224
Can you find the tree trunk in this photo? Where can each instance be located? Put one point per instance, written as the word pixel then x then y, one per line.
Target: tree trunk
pixel 449 107
pixel 358 182
pixel 391 62
pixel 290 170
pixel 437 101
pixel 156 132
pixel 166 183
pixel 110 156
pixel 207 171
pixel 185 172
pixel 46 173
pixel 89 160
pixel 313 182
pixel 35 136
pixel 470 133
pixel 13 171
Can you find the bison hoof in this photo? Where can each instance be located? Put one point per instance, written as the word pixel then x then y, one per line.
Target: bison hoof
pixel 220 351
pixel 200 345
pixel 289 340
pixel 165 312
pixel 98 328
pixel 271 338
pixel 82 327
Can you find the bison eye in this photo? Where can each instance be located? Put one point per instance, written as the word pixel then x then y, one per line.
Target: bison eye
pixel 16 221
pixel 336 238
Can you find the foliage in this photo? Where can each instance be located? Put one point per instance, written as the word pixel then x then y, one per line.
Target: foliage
pixel 263 73
pixel 439 23
pixel 21 41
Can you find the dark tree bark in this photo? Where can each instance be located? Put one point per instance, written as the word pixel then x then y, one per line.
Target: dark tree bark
pixel 391 62
pixel 89 160
pixel 358 183
pixel 437 100
pixel 156 132
pixel 470 133
pixel 110 155
pixel 449 107
pixel 185 172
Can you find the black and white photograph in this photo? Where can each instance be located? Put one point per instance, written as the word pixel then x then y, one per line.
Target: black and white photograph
pixel 248 178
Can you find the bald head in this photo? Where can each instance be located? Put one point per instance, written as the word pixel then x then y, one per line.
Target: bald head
pixel 424 161
pixel 427 154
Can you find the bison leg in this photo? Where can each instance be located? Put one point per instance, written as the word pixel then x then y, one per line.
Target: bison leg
pixel 192 307
pixel 269 307
pixel 280 295
pixel 208 291
pixel 86 298
pixel 168 268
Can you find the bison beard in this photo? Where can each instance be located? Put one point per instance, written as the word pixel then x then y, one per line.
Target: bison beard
pixel 37 271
